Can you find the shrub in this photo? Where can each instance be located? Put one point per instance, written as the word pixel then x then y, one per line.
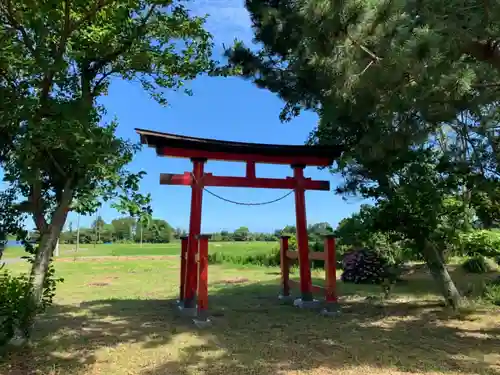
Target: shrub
pixel 268 259
pixel 478 264
pixel 366 266
pixel 12 303
pixel 292 242
pixel 492 292
pixel 483 242
pixel 497 259
pixel 271 259
pixel 13 300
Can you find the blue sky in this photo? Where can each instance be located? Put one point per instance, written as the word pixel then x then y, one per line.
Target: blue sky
pixel 227 109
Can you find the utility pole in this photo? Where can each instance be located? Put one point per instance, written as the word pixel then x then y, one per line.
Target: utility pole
pixel 140 222
pixel 56 249
pixel 95 228
pixel 78 233
pixel 99 226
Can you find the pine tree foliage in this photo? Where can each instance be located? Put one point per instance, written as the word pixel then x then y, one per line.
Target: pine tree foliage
pixel 388 78
pixel 358 57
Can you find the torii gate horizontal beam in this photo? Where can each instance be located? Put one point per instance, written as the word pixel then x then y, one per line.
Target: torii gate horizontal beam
pixel 241 157
pixel 209 179
pixel 178 146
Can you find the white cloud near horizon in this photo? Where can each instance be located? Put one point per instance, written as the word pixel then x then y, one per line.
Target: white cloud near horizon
pixel 227 19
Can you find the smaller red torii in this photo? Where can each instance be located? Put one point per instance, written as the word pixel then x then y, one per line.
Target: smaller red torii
pixel 201 150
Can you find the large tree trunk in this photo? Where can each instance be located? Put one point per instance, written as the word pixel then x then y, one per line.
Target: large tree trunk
pixel 439 272
pixel 46 245
pixel 2 247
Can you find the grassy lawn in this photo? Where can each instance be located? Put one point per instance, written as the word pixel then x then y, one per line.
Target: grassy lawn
pixel 85 250
pixel 116 318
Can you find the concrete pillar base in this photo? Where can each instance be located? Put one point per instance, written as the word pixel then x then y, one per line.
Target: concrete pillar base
pixel 331 309
pixel 202 322
pixel 310 305
pixel 285 299
pixel 188 311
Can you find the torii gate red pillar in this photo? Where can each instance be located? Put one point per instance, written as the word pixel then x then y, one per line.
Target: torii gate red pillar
pixel 194 232
pixel 302 237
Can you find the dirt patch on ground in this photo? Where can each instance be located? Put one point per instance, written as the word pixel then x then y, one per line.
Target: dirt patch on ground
pixel 98 284
pixel 103 282
pixel 106 258
pixel 237 280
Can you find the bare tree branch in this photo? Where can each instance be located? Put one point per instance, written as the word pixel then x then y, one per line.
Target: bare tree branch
pixel 101 80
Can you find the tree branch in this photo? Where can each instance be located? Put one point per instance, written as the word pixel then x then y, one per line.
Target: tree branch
pixel 11 17
pixel 486 4
pixel 101 80
pixel 486 51
pixel 366 50
pixel 60 214
pixel 485 85
pixel 100 63
pixel 65 31
pixel 37 203
pixel 56 164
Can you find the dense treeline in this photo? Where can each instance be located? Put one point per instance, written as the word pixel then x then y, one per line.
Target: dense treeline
pixel 120 230
pixel 244 234
pixel 477 234
pixel 130 230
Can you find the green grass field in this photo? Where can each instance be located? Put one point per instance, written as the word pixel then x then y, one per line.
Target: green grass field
pixel 174 248
pixel 116 317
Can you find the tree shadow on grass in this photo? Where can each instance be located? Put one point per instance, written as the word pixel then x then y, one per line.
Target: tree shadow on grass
pixel 418 283
pixel 253 333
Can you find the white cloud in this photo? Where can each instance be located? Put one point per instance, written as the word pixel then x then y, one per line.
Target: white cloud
pixel 227 20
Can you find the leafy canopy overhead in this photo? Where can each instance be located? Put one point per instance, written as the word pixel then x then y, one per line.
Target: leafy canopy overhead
pixel 56 59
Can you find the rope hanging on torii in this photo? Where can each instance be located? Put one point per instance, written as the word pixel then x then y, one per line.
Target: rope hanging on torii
pixel 248 203
pixel 245 203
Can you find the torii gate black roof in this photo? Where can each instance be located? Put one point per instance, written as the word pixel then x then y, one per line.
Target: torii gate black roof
pixel 159 140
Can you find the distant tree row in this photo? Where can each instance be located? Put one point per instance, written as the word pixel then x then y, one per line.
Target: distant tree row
pixel 129 229
pixel 243 234
pixel 125 229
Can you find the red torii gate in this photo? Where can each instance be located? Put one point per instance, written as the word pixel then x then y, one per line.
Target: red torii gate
pixel 201 150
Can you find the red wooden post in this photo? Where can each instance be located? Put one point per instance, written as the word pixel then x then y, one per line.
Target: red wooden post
pixel 302 238
pixel 184 247
pixel 250 170
pixel 285 267
pixel 194 231
pixel 203 273
pixel 330 269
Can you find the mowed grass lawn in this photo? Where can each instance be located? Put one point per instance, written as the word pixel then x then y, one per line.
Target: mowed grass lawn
pixel 116 317
pixel 173 248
